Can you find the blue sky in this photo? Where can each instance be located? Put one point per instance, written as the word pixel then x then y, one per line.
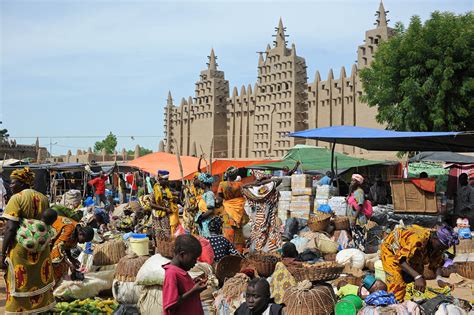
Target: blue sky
pixel 85 68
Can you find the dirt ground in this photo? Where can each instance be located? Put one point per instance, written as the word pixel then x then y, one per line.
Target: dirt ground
pixel 2 294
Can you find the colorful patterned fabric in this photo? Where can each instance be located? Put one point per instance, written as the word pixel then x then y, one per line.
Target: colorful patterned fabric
pixel 206 178
pixel 205 202
pixel 62 242
pixel 280 282
pixel 34 235
pixel 221 247
pixel 164 198
pixel 161 228
pixel 234 212
pixel 191 208
pixel 24 175
pixel 380 298
pixel 263 200
pixel 408 244
pixel 447 236
pixel 29 276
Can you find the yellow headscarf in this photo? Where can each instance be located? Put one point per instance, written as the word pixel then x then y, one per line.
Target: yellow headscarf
pixel 25 175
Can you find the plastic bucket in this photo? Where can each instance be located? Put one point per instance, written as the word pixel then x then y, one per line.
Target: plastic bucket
pixel 379 272
pixel 345 308
pixel 140 246
pixel 354 299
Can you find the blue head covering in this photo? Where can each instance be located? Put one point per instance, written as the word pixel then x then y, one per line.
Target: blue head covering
pixel 206 178
pixel 163 174
pixel 447 236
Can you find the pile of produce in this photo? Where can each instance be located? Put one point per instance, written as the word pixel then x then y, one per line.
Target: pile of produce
pixel 87 306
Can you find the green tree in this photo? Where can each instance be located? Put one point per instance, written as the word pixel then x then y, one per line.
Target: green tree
pixel 143 151
pixel 422 78
pixel 109 144
pixel 3 134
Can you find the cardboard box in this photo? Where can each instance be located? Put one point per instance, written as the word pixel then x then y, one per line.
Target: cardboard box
pixel 302 191
pixel 300 214
pixel 303 198
pixel 285 195
pixel 301 206
pixel 300 181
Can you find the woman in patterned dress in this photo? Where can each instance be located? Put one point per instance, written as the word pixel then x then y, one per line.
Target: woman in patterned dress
pixel 234 216
pixel 262 197
pixel 29 275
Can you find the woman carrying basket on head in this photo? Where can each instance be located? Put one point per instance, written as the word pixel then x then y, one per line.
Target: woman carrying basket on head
pixel 234 216
pixel 165 209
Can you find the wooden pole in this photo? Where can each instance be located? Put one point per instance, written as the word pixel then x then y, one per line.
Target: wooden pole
pixel 178 156
pixel 210 156
pixel 205 161
pixel 332 160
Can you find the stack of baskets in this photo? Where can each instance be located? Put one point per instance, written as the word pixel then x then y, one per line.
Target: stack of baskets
pixel 128 266
pixel 165 248
pixel 465 269
pixel 319 221
pixel 264 263
pixel 109 253
pixel 324 271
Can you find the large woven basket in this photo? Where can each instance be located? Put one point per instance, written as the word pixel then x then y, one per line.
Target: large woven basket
pixel 228 267
pixel 465 269
pixel 319 222
pixel 349 279
pixel 324 271
pixel 128 266
pixel 165 248
pixel 342 223
pixel 264 263
pixel 305 299
pixel 465 246
pixel 330 257
pixel 109 253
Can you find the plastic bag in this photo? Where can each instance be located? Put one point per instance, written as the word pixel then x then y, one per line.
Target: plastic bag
pixel 152 272
pixel 93 283
pixel 126 292
pixel 351 257
pixel 301 243
pixel 207 254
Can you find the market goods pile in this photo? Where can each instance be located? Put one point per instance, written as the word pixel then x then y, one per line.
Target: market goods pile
pixel 88 306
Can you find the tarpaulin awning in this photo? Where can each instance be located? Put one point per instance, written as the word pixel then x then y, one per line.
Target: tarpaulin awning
pixel 220 166
pixel 388 140
pixel 448 157
pixel 153 162
pixel 315 159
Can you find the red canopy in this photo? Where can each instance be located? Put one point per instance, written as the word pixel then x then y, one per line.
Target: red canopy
pixel 153 162
pixel 220 166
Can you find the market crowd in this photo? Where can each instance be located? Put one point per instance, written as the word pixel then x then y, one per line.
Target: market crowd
pixel 233 225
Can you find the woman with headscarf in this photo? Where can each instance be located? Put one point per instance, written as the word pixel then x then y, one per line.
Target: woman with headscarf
pixel 29 275
pixel 234 216
pixel 262 198
pixel 165 209
pixel 220 245
pixel 356 203
pixel 206 204
pixel 405 252
pixel 191 191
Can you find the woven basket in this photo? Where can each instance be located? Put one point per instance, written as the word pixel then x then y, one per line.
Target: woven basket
pixel 465 269
pixel 319 222
pixel 349 279
pixel 324 271
pixel 165 248
pixel 109 253
pixel 264 263
pixel 228 267
pixel 465 246
pixel 305 299
pixel 128 266
pixel 342 223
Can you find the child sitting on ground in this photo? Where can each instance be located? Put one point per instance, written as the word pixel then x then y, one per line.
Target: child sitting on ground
pixel 258 300
pixel 180 291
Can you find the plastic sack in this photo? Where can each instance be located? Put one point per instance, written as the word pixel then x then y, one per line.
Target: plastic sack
pixel 151 300
pixel 325 209
pixel 351 257
pixel 152 272
pixel 325 244
pixel 126 292
pixel 94 282
pixel 450 309
pixel 179 231
pixel 301 243
pixel 207 254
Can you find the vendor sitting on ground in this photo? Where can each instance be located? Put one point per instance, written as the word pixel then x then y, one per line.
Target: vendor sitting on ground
pixel 370 285
pixel 68 234
pixel 258 301
pixel 406 250
pixel 289 252
pixel 220 245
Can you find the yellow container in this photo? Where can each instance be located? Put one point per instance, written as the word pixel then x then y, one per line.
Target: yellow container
pixel 140 246
pixel 379 272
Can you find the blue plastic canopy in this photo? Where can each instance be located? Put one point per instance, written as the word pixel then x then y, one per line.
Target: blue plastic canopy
pixel 388 140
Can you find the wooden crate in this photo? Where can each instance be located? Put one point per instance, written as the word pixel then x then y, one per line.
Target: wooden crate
pixel 407 197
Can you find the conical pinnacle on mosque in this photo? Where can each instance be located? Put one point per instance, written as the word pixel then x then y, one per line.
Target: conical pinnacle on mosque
pixel 280 40
pixel 381 16
pixel 212 64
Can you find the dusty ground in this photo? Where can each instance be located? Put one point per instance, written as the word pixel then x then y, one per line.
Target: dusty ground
pixel 2 293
